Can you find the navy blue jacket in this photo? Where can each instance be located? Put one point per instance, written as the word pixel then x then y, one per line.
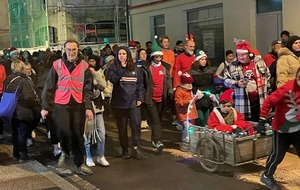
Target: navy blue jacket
pixel 127 86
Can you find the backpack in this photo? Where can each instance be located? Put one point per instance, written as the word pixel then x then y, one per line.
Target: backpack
pixel 8 103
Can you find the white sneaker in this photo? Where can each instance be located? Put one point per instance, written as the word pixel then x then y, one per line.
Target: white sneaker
pixel 29 142
pixel 144 124
pixel 90 162
pixel 102 161
pixel 57 151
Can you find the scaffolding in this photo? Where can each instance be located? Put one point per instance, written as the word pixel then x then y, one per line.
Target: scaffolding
pixel 28 23
pixel 36 23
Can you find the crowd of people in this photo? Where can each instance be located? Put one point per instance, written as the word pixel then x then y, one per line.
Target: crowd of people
pixel 70 92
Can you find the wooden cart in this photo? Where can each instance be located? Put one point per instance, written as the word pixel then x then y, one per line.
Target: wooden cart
pixel 214 148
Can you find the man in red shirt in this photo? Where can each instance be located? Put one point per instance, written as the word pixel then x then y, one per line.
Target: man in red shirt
pixel 183 62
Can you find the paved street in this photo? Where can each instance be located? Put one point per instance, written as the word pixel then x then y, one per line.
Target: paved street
pixel 171 170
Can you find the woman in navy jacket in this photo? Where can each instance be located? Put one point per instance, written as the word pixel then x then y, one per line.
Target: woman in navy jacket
pixel 127 96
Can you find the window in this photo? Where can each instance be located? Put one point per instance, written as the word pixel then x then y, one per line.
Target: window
pixel 159 25
pixel 264 6
pixel 206 24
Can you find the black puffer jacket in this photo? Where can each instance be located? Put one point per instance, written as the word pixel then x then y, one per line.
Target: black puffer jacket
pixel 26 97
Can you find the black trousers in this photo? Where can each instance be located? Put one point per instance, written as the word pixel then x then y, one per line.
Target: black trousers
pixel 70 121
pixel 134 116
pixel 154 113
pixel 52 127
pixel 281 143
pixel 143 111
pixel 255 111
pixel 19 134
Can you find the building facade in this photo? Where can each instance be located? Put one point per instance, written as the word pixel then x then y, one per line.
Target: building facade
pixel 214 23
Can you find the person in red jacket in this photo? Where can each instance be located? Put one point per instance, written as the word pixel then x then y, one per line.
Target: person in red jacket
pixel 285 125
pixel 226 118
pixel 2 78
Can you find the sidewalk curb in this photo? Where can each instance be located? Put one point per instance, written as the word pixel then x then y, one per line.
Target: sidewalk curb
pixel 51 176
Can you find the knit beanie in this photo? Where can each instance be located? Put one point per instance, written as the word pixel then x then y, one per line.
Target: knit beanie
pixel 186 78
pixel 291 41
pixel 199 54
pixel 109 58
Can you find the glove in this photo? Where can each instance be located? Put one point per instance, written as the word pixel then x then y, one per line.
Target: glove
pixel 261 128
pixel 199 94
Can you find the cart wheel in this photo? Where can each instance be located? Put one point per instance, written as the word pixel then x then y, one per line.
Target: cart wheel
pixel 208 154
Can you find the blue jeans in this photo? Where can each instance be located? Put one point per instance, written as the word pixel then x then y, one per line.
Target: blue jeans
pixel 100 142
pixel 19 135
pixel 185 132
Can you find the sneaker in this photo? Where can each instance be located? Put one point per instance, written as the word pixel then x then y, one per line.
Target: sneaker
pixel 125 154
pixel 84 170
pixel 24 158
pixel 90 162
pixel 175 122
pixel 138 153
pixel 159 146
pixel 184 147
pixel 2 137
pixel 269 182
pixel 62 161
pixel 102 161
pixel 56 151
pixel 29 142
pixel 144 124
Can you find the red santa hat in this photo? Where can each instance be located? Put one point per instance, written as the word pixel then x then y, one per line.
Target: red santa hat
pixel 12 50
pixel 242 46
pixel 132 43
pixel 227 96
pixel 186 78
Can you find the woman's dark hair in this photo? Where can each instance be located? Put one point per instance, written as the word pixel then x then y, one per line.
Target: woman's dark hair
pixel 138 55
pixel 96 58
pixel 130 64
pixel 196 64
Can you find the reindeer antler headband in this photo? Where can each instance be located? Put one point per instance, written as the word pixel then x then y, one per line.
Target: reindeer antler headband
pixel 189 37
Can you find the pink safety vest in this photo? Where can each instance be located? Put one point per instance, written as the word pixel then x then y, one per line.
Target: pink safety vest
pixel 69 83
